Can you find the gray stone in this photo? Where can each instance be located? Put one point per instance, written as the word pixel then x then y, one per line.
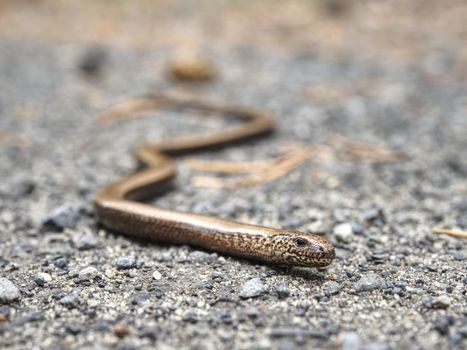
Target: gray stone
pixel 93 61
pixel 442 324
pixel 198 256
pixel 331 288
pixel 70 300
pixel 17 186
pixel 441 302
pixel 252 312
pixel 283 290
pixel 60 262
pixel 374 216
pixel 157 275
pixel 462 332
pixel 253 288
pixel 344 232
pixel 225 335
pixel 74 328
pixel 29 318
pixel 86 241
pixel 42 278
pixel 64 216
pixel 357 228
pixel 5 311
pixel 140 298
pixel 8 291
pixel 126 262
pixel 460 255
pixel 368 282
pixel 318 227
pixel 88 273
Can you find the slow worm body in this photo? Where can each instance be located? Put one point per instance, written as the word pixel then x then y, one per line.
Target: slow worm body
pixel 118 206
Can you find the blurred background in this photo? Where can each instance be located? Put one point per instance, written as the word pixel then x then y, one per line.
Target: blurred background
pixel 382 30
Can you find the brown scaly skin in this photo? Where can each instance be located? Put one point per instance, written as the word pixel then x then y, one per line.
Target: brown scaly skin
pixel 116 206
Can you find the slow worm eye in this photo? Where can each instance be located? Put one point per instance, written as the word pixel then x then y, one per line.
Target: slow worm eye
pixel 300 242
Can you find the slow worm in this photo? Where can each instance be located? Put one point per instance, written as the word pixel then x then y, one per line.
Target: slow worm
pixel 119 205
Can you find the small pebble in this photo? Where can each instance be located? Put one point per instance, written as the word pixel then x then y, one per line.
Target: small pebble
pixel 92 61
pixel 441 302
pixel 17 186
pixel 457 164
pixel 252 312
pixel 225 335
pixel 5 312
pixel 29 318
pixel 139 298
pixel 64 216
pixel 192 69
pixel 318 227
pixel 8 291
pixel 442 324
pixel 74 328
pixel 88 273
pixel 60 262
pixel 156 275
pixel 462 331
pixel 357 228
pixel 331 288
pixel 460 255
pixel 344 232
pixel 126 262
pixel 253 288
pixel 86 241
pixel 199 257
pixel 70 300
pixel 190 316
pixel 368 283
pixel 121 330
pixel 42 278
pixel 374 216
pixel 283 290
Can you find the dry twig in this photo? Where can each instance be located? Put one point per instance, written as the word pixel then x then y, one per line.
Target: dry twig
pixel 280 166
pixel 126 110
pixel 453 233
pixel 366 153
pixel 214 166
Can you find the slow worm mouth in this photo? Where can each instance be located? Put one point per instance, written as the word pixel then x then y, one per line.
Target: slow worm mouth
pixel 323 262
pixel 327 255
pixel 311 260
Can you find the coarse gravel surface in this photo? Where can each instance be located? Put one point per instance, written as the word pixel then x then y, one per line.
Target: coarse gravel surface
pixel 66 283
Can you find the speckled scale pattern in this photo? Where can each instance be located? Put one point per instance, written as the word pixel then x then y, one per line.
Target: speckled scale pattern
pixel 174 227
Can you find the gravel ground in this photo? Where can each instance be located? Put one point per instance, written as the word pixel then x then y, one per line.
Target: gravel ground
pixel 67 283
